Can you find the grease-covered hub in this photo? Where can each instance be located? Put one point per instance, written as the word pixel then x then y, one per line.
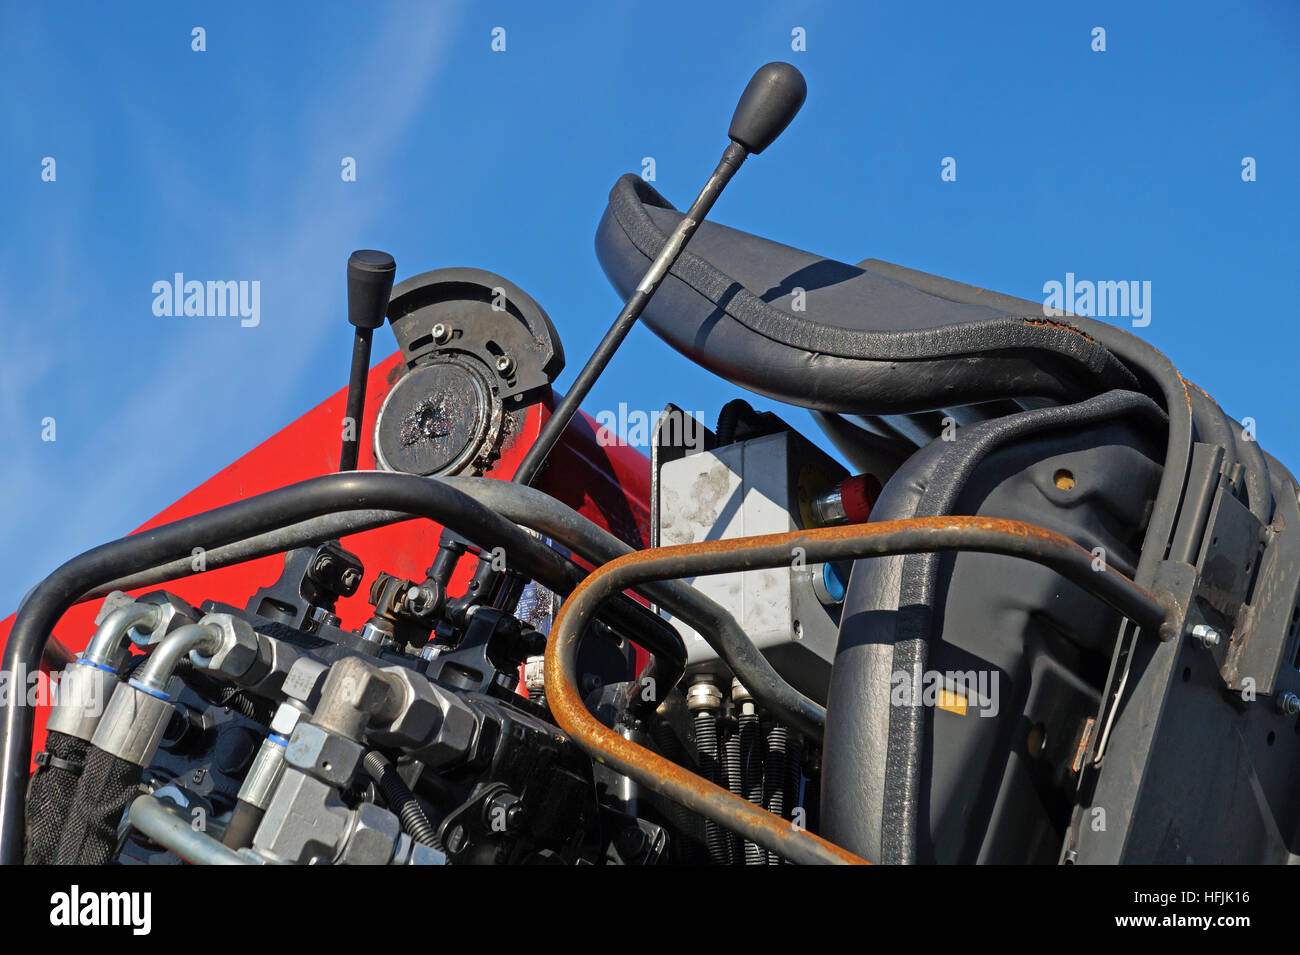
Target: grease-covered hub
pixel 434 421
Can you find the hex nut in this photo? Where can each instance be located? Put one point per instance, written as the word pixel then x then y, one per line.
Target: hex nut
pixel 703 695
pixel 360 685
pixel 327 756
pixel 237 651
pixel 112 602
pixel 374 835
pixel 276 658
pixel 304 680
pixel 419 715
pixel 174 613
pixel 456 734
pixel 286 717
pixel 354 695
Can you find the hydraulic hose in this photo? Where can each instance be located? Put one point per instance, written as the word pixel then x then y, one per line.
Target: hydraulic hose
pixel 264 512
pixel 53 790
pixel 124 743
pixel 855 711
pixel 107 787
pixel 540 512
pixel 218 692
pixel 87 685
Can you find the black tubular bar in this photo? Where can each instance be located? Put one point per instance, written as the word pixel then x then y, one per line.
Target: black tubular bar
pixel 882 539
pixel 356 400
pixel 549 436
pixel 540 512
pixel 353 490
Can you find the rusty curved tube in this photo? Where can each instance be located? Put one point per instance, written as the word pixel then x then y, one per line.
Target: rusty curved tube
pixel 886 538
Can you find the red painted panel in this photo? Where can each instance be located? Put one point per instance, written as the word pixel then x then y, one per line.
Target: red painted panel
pixel 591 471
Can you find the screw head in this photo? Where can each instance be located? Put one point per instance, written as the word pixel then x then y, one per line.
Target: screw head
pixel 505 365
pixel 441 333
pixel 418 600
pixel 1289 703
pixel 1205 636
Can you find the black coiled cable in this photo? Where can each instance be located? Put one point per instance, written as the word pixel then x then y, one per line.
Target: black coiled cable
pixel 777 770
pixel 716 838
pixel 735 787
pixel 750 740
pixel 684 822
pixel 401 800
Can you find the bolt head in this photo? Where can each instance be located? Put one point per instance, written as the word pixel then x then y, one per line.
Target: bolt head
pixel 1206 636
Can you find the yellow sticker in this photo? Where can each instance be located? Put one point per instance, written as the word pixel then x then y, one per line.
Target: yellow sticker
pixel 952 701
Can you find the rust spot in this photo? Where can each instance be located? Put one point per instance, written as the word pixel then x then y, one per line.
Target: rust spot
pixel 1081 744
pixel 1044 323
pixel 430 418
pixel 683 786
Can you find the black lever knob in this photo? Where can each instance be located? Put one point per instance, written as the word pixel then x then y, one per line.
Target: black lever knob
pixel 370 283
pixel 769 103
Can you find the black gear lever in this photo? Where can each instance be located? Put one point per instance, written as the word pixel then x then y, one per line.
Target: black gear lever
pixel 370 284
pixel 767 106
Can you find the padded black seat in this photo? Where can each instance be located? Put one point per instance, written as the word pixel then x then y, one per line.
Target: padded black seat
pixel 864 342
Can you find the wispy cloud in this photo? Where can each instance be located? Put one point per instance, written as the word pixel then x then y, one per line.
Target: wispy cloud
pixel 192 380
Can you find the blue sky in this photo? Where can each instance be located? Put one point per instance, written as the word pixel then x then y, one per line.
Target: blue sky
pixel 225 164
